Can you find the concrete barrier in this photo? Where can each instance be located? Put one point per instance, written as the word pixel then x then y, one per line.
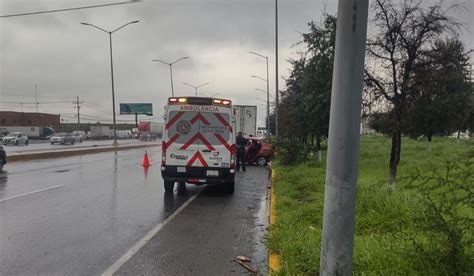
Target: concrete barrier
pixel 72 152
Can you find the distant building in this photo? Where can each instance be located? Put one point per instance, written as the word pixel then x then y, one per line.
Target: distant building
pixel 11 118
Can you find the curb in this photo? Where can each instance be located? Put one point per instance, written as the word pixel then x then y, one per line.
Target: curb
pixel 72 152
pixel 273 257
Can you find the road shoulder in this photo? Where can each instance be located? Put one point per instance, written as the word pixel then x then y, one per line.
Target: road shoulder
pixel 211 232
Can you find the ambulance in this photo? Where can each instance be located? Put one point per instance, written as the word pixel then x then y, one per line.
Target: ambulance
pixel 198 145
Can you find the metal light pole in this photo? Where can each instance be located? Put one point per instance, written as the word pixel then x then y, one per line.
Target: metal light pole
pixel 196 87
pixel 276 72
pixel 268 95
pixel 115 143
pixel 343 142
pixel 171 70
pixel 268 103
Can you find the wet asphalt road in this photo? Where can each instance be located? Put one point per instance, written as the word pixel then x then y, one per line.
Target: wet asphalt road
pixel 79 215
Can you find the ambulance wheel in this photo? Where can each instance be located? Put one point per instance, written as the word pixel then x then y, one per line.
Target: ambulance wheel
pixel 230 187
pixel 261 161
pixel 169 185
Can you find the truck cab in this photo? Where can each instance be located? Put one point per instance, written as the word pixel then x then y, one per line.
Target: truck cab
pixel 198 142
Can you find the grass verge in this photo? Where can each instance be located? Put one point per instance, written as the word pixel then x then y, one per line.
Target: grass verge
pixel 416 229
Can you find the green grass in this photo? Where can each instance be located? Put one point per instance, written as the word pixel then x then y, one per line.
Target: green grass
pixel 387 240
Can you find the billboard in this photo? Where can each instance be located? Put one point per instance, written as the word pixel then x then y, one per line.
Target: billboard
pixel 136 108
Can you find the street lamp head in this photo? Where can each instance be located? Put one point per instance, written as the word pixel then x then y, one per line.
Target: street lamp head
pixel 87 24
pixel 136 21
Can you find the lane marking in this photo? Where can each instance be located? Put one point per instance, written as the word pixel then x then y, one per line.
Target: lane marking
pixel 30 193
pixel 132 251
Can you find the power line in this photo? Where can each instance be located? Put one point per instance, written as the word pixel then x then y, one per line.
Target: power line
pixel 20 102
pixel 69 9
pixel 30 96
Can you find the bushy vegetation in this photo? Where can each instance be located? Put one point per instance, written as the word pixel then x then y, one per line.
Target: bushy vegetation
pixel 424 227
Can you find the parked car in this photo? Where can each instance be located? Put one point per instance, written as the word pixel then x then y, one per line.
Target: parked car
pixel 15 138
pixel 258 151
pixel 3 157
pixel 62 138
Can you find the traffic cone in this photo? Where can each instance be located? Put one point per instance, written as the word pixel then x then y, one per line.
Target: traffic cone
pixel 146 162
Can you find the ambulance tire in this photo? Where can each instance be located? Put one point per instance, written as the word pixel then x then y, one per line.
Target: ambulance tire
pixel 169 185
pixel 230 187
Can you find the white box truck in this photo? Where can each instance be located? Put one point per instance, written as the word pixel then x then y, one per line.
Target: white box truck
pixel 246 119
pixel 100 132
pixel 30 131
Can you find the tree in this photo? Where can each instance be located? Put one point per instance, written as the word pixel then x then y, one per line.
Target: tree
pixel 404 34
pixel 304 109
pixel 443 91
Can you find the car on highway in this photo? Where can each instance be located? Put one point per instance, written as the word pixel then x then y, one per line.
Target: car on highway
pixel 258 151
pixel 3 157
pixel 62 138
pixel 15 138
pixel 78 137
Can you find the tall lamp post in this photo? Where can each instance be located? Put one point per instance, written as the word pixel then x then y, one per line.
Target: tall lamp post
pixel 196 87
pixel 268 103
pixel 277 102
pixel 112 69
pixel 171 70
pixel 268 95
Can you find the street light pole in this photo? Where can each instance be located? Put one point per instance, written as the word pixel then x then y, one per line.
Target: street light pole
pixel 276 72
pixel 171 70
pixel 343 140
pixel 115 143
pixel 196 87
pixel 268 97
pixel 113 89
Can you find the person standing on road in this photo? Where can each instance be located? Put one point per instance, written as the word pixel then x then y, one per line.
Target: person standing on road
pixel 241 143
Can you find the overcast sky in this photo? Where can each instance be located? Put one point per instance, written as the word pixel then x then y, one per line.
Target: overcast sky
pixel 66 59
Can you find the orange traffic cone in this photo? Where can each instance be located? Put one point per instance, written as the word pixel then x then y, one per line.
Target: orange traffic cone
pixel 146 162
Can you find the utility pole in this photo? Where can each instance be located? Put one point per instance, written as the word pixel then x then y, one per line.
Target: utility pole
pixel 276 72
pixel 78 106
pixel 343 141
pixel 36 96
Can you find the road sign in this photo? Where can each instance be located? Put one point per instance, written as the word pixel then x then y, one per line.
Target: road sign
pixel 136 108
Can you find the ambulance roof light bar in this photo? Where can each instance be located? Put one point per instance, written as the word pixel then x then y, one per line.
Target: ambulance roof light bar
pixel 175 100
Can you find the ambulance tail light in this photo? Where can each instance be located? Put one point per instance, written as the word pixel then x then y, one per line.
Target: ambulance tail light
pixel 217 101
pixel 226 102
pixel 232 157
pixel 163 154
pixel 173 100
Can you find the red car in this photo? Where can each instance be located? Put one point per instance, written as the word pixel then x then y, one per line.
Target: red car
pixel 258 151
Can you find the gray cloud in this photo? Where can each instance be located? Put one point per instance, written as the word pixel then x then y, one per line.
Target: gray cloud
pixel 67 59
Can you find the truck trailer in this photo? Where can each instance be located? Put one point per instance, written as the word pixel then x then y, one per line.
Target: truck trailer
pixel 246 119
pixel 33 132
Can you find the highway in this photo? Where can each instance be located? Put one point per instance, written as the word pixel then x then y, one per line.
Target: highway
pixel 79 215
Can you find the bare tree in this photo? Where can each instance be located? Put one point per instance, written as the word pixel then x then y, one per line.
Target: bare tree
pixel 405 32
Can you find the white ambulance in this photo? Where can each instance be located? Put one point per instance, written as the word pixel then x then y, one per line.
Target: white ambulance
pixel 198 142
